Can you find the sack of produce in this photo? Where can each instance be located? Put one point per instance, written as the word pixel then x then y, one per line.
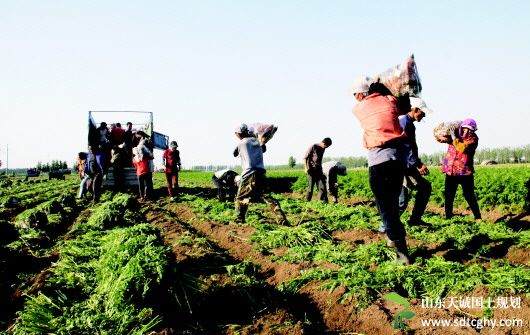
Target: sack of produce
pixel 401 79
pixel 446 129
pixel 262 131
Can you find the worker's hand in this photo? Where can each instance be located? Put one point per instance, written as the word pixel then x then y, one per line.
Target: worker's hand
pixel 445 139
pixel 423 170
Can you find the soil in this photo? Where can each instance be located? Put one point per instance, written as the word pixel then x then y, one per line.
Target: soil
pixel 324 310
pixel 358 236
pixel 206 248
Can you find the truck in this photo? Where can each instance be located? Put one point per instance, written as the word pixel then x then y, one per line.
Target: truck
pixel 141 120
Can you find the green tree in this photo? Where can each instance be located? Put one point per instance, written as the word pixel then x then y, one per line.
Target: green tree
pixel 291 162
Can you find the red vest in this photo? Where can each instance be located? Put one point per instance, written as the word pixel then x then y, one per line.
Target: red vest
pixel 378 116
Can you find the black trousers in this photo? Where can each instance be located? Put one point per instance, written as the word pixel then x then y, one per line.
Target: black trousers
pixel 317 178
pixel 468 188
pixel 423 188
pixel 386 181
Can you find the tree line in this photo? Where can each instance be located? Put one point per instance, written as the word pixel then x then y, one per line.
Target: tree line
pixel 503 155
pixel 53 166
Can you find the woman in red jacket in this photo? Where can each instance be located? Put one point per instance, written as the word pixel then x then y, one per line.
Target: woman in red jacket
pixel 458 167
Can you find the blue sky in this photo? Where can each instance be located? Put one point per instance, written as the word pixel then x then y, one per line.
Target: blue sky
pixel 203 67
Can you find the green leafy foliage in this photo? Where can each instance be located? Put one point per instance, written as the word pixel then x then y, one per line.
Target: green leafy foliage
pixel 108 278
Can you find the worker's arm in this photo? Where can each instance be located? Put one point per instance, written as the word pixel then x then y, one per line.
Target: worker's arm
pixel 463 145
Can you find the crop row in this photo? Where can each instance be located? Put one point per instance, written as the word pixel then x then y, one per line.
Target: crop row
pixel 111 270
pixel 452 256
pixel 501 187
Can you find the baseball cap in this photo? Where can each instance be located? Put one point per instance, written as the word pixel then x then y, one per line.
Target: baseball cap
pixel 242 129
pixel 420 104
pixel 361 85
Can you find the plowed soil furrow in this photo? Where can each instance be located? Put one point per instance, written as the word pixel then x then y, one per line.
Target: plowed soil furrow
pixel 326 307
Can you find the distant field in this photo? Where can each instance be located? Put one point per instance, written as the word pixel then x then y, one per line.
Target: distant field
pixel 126 267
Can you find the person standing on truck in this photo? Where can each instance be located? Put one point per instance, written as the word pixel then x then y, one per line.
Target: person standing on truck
pixel 103 146
pixel 171 162
pixel 415 170
pixel 383 137
pixel 117 134
pixel 128 139
pixel 139 136
pixel 103 134
pixel 313 169
pixel 253 179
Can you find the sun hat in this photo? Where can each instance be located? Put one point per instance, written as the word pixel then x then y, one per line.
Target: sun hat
pixel 469 124
pixel 420 104
pixel 361 85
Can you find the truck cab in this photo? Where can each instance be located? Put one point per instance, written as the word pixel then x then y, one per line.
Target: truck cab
pixel 141 121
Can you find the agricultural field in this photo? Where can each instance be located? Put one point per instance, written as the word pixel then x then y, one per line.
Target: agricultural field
pixel 121 266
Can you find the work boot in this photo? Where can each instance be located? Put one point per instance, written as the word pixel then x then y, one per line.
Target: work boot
pixel 416 222
pixel 402 252
pixel 241 212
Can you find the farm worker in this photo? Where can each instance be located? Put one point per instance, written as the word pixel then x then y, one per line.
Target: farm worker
pixel 226 182
pixel 81 170
pixel 171 161
pixel 118 160
pixel 139 136
pixel 81 162
pixel 415 170
pixel 117 134
pixel 253 178
pixel 103 135
pixel 331 171
pixel 104 145
pixel 94 169
pixel 313 169
pixel 128 139
pixel 141 158
pixel 458 167
pixel 384 139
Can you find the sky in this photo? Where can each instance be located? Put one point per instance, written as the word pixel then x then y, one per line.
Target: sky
pixel 203 67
